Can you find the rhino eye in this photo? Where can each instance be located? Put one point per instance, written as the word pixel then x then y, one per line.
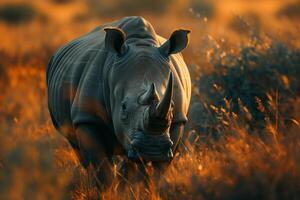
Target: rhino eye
pixel 124 114
pixel 124 107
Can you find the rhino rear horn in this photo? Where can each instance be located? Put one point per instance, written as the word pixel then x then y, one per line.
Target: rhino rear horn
pixel 164 105
pixel 149 96
pixel 114 40
pixel 176 43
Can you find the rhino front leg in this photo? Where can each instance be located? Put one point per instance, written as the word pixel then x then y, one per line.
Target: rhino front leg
pixel 93 155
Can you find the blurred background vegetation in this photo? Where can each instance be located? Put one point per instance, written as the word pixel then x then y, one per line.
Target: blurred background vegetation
pixel 242 139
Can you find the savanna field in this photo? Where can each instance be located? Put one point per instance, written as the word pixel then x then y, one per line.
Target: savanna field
pixel 242 140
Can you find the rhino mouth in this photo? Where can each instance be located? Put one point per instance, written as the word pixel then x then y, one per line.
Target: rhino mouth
pixel 145 147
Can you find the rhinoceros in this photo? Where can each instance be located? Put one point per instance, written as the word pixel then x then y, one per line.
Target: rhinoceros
pixel 120 89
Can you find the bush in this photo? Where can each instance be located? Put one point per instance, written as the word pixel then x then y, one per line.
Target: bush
pixel 17 13
pixel 62 1
pixel 127 7
pixel 138 7
pixel 291 11
pixel 203 8
pixel 249 24
pixel 260 85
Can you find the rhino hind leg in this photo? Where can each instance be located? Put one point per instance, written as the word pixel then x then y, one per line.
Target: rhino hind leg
pixel 93 154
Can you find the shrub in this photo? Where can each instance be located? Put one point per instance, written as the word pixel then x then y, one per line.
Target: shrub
pixel 62 1
pixel 127 7
pixel 260 84
pixel 203 7
pixel 137 6
pixel 249 24
pixel 291 11
pixel 17 13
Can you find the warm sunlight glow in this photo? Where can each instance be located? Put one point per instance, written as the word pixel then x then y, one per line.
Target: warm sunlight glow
pixel 242 137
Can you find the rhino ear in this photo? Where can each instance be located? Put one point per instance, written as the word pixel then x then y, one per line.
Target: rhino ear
pixel 114 40
pixel 177 42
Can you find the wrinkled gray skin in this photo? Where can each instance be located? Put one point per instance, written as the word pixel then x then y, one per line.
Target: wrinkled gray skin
pixel 120 90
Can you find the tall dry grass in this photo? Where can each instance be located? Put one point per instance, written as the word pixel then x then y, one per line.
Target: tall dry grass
pixel 242 141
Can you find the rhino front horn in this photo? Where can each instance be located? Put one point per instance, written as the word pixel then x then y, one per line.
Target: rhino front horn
pixel 164 105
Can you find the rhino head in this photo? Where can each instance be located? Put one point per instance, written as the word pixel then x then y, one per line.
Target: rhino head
pixel 141 88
